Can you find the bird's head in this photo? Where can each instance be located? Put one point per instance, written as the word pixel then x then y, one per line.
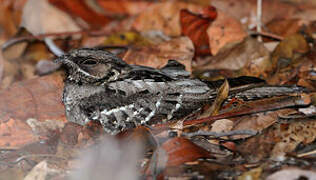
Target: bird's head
pixel 89 66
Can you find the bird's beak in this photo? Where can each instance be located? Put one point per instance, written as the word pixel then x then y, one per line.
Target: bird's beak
pixel 59 60
pixel 63 60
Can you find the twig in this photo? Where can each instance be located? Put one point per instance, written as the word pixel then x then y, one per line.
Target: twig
pixel 25 157
pixel 267 34
pixel 42 36
pixel 221 134
pixel 259 14
pixel 307 154
pixel 52 47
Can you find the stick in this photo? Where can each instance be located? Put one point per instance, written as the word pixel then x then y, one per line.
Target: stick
pixel 221 134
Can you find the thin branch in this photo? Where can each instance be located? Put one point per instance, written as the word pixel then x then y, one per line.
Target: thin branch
pixel 53 47
pixel 25 157
pixel 259 15
pixel 267 34
pixel 307 154
pixel 221 134
pixel 42 36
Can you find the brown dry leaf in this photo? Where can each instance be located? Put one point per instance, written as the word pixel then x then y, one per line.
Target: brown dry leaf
pixel 306 71
pixel 33 152
pixel 127 38
pixel 10 18
pixel 224 31
pixel 38 98
pixel 181 150
pixel 180 49
pixel 249 58
pixel 69 134
pixel 41 172
pixel 260 121
pixel 289 48
pixel 10 73
pixel 7 26
pixel 222 125
pixel 13 173
pixel 15 133
pixel 17 67
pixel 292 173
pixel 141 135
pixel 258 147
pixel 123 7
pixel 164 17
pixel 253 174
pixel 286 57
pixel 245 10
pixel 45 128
pixel 291 135
pixel 37 14
pixel 195 25
pixel 88 14
pixel 222 94
pixel 37 51
pixel 284 27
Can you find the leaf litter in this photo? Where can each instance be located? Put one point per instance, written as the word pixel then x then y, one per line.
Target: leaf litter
pixel 229 139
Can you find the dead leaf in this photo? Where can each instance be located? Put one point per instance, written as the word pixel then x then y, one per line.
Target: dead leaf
pixel 15 134
pixel 13 173
pixel 285 57
pixel 222 125
pixel 140 134
pixel 249 58
pixel 224 31
pixel 123 7
pixel 260 121
pixel 252 174
pixel 284 27
pixel 10 73
pixel 292 174
pixel 181 150
pixel 69 134
pixel 180 49
pixel 126 38
pixel 10 18
pixel 258 147
pixel 291 135
pixel 222 94
pixel 38 98
pixel 44 128
pixel 245 10
pixel 164 17
pixel 83 11
pixel 195 25
pixel 32 152
pixel 36 14
pixel 40 172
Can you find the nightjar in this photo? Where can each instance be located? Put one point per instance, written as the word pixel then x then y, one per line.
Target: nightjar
pixel 102 87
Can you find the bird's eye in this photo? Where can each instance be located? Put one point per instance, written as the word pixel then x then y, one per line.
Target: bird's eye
pixel 89 62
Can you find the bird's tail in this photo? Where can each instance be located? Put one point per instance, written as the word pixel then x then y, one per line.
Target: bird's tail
pixel 252 88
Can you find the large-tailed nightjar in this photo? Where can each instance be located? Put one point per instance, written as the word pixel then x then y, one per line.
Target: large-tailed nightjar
pixel 102 87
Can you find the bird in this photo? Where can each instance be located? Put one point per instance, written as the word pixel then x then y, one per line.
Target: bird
pixel 99 86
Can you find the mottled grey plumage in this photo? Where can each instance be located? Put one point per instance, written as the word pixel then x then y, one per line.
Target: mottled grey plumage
pixel 102 87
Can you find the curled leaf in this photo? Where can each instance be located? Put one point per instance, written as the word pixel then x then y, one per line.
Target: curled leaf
pixel 195 26
pixel 181 150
